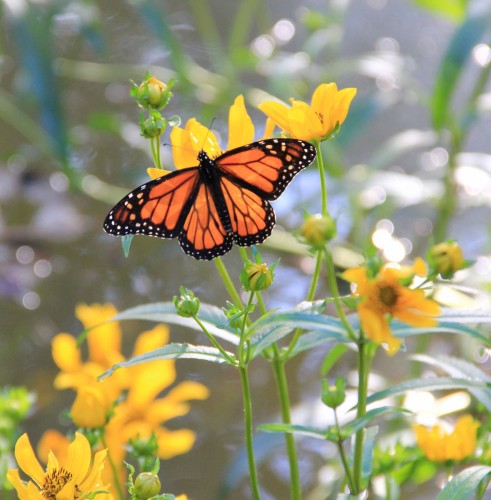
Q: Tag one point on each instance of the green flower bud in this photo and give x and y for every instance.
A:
(333, 395)
(153, 93)
(446, 259)
(153, 126)
(256, 277)
(147, 485)
(318, 229)
(234, 315)
(186, 304)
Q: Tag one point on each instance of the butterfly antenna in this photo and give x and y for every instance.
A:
(208, 133)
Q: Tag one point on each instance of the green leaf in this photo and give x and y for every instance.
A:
(466, 483)
(430, 384)
(165, 312)
(172, 351)
(335, 354)
(463, 369)
(362, 422)
(458, 52)
(303, 430)
(451, 9)
(126, 243)
(368, 446)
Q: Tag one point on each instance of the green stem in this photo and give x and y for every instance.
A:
(338, 303)
(246, 395)
(342, 454)
(213, 340)
(244, 342)
(114, 470)
(282, 388)
(227, 281)
(363, 368)
(322, 175)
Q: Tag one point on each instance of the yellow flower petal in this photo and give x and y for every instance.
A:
(151, 340)
(304, 122)
(172, 443)
(202, 138)
(323, 97)
(156, 173)
(240, 126)
(269, 129)
(339, 109)
(90, 407)
(182, 150)
(78, 458)
(93, 480)
(27, 460)
(277, 112)
(65, 352)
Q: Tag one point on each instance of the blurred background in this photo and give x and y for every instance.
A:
(70, 147)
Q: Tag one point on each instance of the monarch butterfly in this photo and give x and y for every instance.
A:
(219, 201)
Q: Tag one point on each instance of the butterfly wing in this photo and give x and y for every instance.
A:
(266, 167)
(157, 208)
(203, 234)
(253, 174)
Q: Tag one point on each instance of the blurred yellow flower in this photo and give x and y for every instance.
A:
(76, 477)
(446, 258)
(55, 442)
(142, 413)
(439, 445)
(317, 122)
(91, 406)
(385, 296)
(189, 141)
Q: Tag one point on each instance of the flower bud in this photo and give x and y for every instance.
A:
(186, 304)
(90, 407)
(153, 93)
(256, 277)
(234, 315)
(153, 126)
(333, 395)
(318, 229)
(147, 485)
(446, 258)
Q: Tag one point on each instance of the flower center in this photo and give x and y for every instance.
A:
(54, 482)
(387, 295)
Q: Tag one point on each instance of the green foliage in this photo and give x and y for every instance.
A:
(452, 9)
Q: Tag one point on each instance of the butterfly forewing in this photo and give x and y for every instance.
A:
(157, 208)
(267, 167)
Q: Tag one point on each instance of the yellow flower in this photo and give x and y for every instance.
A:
(189, 141)
(76, 477)
(316, 122)
(439, 445)
(385, 296)
(91, 406)
(142, 413)
(447, 258)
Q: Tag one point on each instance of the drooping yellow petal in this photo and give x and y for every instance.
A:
(278, 113)
(90, 407)
(65, 352)
(240, 126)
(27, 460)
(269, 129)
(24, 491)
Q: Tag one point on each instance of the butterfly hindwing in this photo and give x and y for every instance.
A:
(266, 167)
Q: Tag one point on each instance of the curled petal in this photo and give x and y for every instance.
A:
(79, 457)
(156, 173)
(27, 460)
(305, 123)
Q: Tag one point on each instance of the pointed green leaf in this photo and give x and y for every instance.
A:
(172, 351)
(466, 483)
(165, 312)
(362, 422)
(126, 243)
(335, 354)
(303, 430)
(430, 384)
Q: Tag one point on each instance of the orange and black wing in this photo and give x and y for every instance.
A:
(266, 167)
(253, 174)
(157, 208)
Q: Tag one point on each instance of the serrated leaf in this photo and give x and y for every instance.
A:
(165, 312)
(458, 53)
(172, 351)
(430, 384)
(465, 484)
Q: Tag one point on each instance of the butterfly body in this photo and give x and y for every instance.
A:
(218, 202)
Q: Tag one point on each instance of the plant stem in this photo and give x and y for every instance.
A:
(322, 175)
(363, 367)
(246, 395)
(342, 454)
(114, 470)
(212, 339)
(282, 388)
(227, 281)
